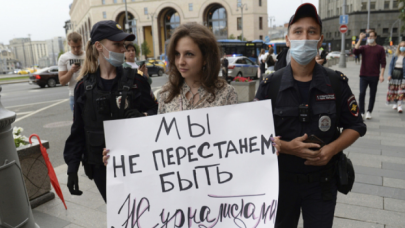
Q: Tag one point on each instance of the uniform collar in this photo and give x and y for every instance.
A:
(320, 79)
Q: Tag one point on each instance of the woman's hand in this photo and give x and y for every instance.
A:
(276, 143)
(389, 78)
(105, 156)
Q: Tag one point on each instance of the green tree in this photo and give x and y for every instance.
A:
(60, 53)
(137, 50)
(231, 37)
(145, 49)
(244, 38)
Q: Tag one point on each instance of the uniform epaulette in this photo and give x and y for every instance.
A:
(265, 79)
(343, 77)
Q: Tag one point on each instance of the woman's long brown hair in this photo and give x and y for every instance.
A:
(208, 45)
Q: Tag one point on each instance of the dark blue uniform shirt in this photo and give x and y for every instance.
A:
(322, 111)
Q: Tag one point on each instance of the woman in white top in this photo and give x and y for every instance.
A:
(396, 78)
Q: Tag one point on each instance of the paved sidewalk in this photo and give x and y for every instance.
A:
(377, 199)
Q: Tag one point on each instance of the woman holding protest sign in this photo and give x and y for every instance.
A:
(105, 91)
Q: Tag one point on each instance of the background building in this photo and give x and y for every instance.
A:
(383, 19)
(223, 17)
(7, 59)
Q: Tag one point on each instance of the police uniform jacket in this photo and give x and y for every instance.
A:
(322, 112)
(142, 99)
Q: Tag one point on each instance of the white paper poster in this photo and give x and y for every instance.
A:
(213, 167)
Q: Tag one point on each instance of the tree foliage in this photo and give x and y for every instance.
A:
(145, 49)
(401, 8)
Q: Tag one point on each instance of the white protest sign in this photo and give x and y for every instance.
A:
(212, 167)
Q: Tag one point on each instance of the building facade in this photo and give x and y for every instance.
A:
(28, 52)
(154, 21)
(7, 59)
(383, 19)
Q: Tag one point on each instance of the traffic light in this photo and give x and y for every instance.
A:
(353, 42)
(390, 43)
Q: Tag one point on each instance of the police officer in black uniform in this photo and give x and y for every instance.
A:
(310, 100)
(105, 91)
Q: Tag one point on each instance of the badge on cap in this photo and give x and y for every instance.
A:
(324, 123)
(118, 100)
(119, 27)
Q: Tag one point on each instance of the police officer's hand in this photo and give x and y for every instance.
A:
(105, 156)
(73, 184)
(299, 148)
(325, 155)
(319, 60)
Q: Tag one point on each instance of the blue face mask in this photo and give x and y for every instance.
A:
(402, 49)
(116, 59)
(304, 51)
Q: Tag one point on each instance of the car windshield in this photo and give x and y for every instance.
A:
(231, 59)
(43, 70)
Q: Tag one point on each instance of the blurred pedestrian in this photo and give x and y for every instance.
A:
(225, 64)
(373, 56)
(69, 64)
(105, 91)
(270, 59)
(130, 55)
(396, 79)
(262, 63)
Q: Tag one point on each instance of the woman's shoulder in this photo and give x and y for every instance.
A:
(226, 88)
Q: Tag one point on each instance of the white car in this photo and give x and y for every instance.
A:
(242, 66)
(335, 54)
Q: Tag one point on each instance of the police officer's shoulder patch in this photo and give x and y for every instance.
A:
(343, 77)
(353, 106)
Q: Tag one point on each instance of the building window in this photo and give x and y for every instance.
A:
(386, 4)
(260, 37)
(385, 30)
(145, 10)
(103, 2)
(349, 32)
(260, 2)
(351, 7)
(364, 6)
(172, 21)
(190, 6)
(372, 5)
(337, 11)
(328, 13)
(260, 23)
(239, 23)
(239, 3)
(395, 4)
(115, 1)
(217, 21)
(104, 15)
(395, 30)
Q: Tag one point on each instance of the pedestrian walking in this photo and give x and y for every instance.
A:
(69, 64)
(270, 60)
(130, 61)
(373, 56)
(262, 63)
(396, 79)
(225, 64)
(105, 91)
(310, 104)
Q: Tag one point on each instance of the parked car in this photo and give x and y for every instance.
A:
(16, 71)
(157, 62)
(24, 71)
(46, 76)
(242, 66)
(153, 68)
(334, 54)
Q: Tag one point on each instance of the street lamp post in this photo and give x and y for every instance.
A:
(152, 15)
(368, 16)
(126, 17)
(241, 7)
(342, 59)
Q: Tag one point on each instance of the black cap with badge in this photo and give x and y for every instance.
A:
(110, 30)
(305, 10)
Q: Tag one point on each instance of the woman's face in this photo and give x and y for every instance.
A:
(188, 58)
(130, 54)
(114, 46)
(402, 44)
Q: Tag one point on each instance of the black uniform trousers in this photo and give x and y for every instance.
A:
(294, 197)
(100, 178)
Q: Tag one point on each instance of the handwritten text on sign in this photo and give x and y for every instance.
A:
(212, 167)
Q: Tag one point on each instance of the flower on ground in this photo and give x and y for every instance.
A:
(19, 139)
(241, 79)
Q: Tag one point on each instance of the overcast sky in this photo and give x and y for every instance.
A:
(44, 19)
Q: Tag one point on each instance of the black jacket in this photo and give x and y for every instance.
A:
(75, 146)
